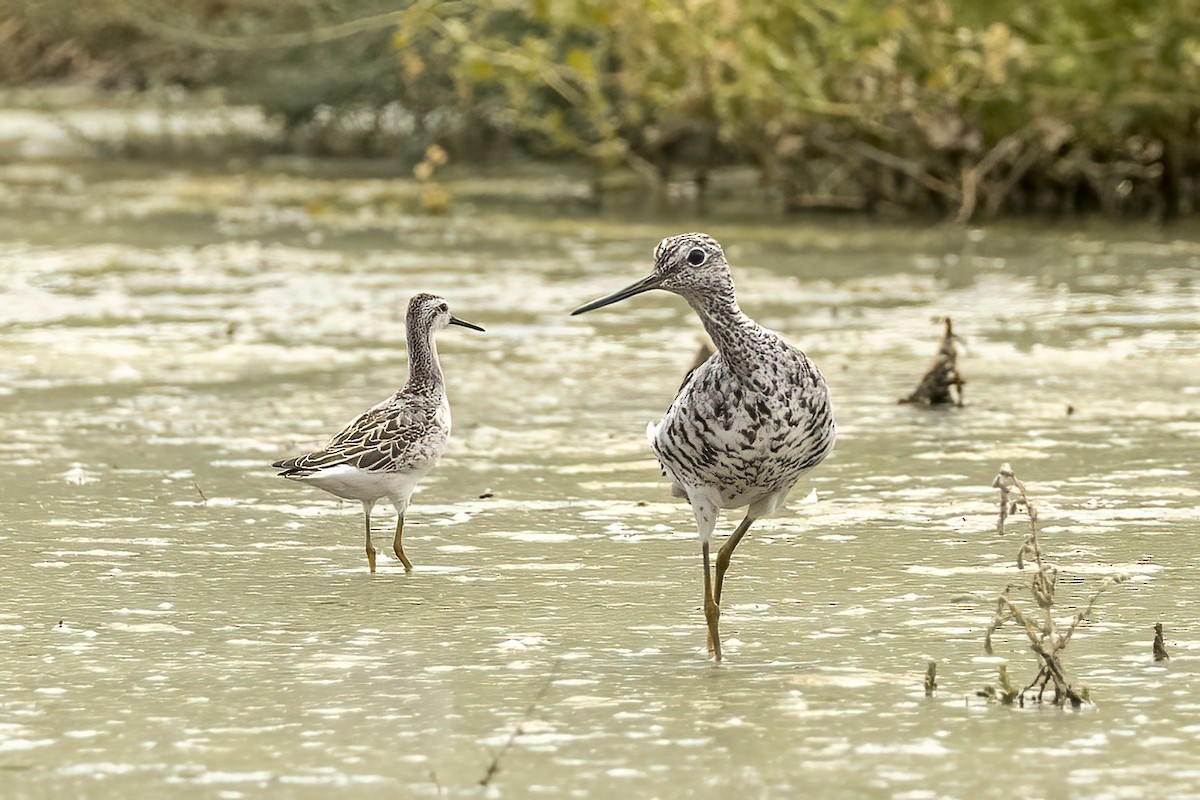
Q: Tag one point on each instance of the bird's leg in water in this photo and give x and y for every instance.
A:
(725, 552)
(712, 612)
(398, 546)
(370, 547)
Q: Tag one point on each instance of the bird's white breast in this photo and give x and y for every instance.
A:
(746, 437)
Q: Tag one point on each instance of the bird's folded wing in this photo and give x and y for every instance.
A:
(376, 441)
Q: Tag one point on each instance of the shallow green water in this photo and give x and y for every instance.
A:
(176, 619)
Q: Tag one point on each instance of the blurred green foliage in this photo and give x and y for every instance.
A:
(956, 107)
(966, 108)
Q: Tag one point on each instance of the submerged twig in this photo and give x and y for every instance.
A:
(942, 383)
(494, 767)
(1046, 639)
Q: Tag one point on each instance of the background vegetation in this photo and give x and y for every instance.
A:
(948, 107)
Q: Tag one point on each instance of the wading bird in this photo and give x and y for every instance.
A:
(387, 449)
(747, 423)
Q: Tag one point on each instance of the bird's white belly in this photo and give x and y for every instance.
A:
(353, 483)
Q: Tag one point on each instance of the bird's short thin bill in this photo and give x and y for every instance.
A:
(462, 322)
(644, 285)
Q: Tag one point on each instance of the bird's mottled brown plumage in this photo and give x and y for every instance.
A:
(387, 449)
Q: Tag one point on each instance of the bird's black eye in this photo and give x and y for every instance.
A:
(696, 257)
(443, 308)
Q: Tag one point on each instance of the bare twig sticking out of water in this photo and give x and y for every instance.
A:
(942, 383)
(1160, 647)
(930, 678)
(203, 498)
(494, 767)
(1046, 638)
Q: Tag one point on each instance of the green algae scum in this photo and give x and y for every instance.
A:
(176, 621)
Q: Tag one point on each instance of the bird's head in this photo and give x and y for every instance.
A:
(432, 313)
(689, 265)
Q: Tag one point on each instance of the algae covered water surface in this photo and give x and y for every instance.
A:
(177, 620)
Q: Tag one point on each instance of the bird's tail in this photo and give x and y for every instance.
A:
(292, 467)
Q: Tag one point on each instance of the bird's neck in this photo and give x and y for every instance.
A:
(424, 369)
(729, 328)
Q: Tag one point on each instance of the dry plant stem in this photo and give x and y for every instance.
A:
(1044, 642)
(1087, 611)
(942, 384)
(1009, 485)
(1045, 638)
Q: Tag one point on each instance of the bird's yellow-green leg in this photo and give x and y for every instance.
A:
(370, 547)
(723, 556)
(398, 545)
(706, 506)
(712, 612)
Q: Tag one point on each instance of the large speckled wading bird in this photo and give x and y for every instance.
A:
(747, 423)
(387, 449)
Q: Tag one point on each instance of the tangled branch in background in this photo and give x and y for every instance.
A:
(1047, 638)
(943, 383)
(958, 110)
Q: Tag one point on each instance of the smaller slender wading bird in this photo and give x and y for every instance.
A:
(387, 449)
(747, 423)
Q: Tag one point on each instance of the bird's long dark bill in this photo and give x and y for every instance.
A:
(456, 321)
(644, 285)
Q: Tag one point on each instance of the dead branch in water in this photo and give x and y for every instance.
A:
(942, 384)
(1046, 636)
